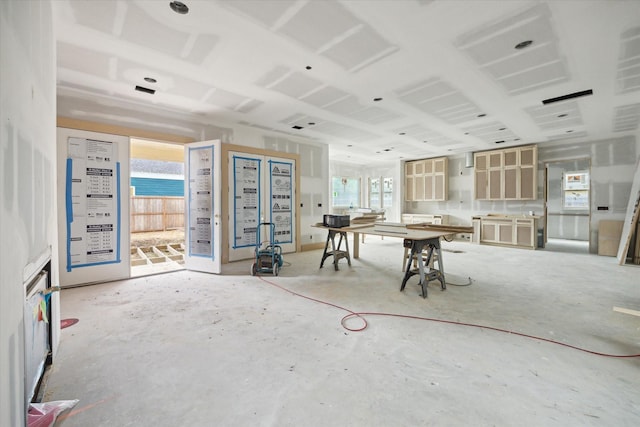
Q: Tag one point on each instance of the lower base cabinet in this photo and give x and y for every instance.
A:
(509, 231)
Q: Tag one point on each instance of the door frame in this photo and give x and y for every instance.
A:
(546, 194)
(226, 188)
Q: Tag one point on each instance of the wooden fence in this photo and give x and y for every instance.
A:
(155, 213)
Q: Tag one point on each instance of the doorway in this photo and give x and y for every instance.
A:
(567, 205)
(156, 198)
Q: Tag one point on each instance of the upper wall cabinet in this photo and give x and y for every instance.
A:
(426, 180)
(509, 174)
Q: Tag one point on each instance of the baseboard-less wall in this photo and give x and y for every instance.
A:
(27, 182)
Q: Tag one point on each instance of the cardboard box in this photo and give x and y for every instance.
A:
(609, 234)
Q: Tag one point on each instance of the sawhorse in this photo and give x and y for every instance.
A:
(426, 273)
(336, 252)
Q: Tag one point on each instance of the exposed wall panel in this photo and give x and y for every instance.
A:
(27, 181)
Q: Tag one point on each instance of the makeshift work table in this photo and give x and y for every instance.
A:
(418, 239)
(336, 252)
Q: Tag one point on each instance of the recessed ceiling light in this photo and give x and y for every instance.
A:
(297, 127)
(562, 115)
(350, 145)
(499, 142)
(387, 149)
(523, 44)
(402, 133)
(150, 80)
(516, 139)
(502, 129)
(481, 115)
(569, 131)
(179, 7)
(424, 141)
(311, 123)
(308, 67)
(377, 99)
(466, 133)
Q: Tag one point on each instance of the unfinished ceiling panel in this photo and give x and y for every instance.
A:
(98, 15)
(422, 135)
(628, 77)
(520, 52)
(438, 98)
(626, 118)
(493, 133)
(156, 35)
(268, 12)
(319, 24)
(569, 134)
(331, 30)
(201, 48)
(562, 115)
(347, 106)
(249, 105)
(83, 60)
(296, 85)
(226, 99)
(374, 115)
(325, 96)
(360, 49)
(342, 131)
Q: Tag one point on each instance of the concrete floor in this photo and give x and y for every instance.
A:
(191, 349)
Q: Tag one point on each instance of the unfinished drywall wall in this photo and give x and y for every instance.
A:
(563, 222)
(314, 175)
(27, 179)
(612, 167)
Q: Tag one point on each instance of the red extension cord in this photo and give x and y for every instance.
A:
(361, 316)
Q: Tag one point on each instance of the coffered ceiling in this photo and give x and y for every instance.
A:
(377, 80)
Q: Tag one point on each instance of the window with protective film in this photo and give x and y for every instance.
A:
(575, 190)
(345, 192)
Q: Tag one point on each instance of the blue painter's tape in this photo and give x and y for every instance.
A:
(119, 213)
(235, 194)
(291, 201)
(188, 196)
(69, 208)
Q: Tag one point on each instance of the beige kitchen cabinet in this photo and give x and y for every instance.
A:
(509, 174)
(426, 180)
(408, 181)
(425, 218)
(508, 230)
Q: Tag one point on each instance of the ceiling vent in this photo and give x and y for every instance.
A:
(568, 96)
(145, 90)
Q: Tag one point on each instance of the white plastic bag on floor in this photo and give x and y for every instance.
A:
(45, 414)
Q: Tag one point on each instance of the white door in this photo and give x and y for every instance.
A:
(202, 186)
(281, 203)
(93, 207)
(261, 190)
(246, 202)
